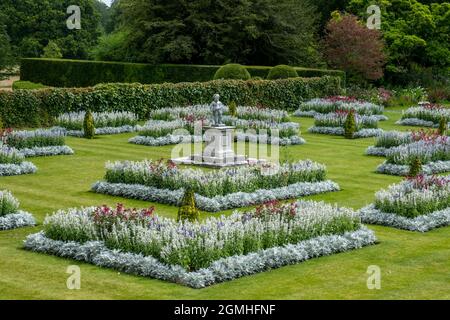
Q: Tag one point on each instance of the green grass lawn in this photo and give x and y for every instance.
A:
(413, 265)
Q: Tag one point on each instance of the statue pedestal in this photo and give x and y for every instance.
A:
(218, 152)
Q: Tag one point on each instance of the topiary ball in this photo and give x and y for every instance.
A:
(232, 71)
(282, 71)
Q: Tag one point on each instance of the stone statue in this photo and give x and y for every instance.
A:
(217, 108)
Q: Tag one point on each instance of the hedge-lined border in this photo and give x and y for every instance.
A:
(222, 270)
(403, 170)
(82, 73)
(38, 108)
(9, 169)
(422, 223)
(217, 203)
(17, 220)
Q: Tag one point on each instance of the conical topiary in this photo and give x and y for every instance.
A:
(88, 125)
(232, 108)
(188, 209)
(443, 126)
(350, 125)
(415, 167)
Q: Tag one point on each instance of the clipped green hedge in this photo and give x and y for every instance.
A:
(80, 73)
(38, 107)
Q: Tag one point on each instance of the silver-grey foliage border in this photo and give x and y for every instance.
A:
(417, 122)
(377, 151)
(422, 223)
(217, 203)
(9, 169)
(46, 151)
(403, 170)
(221, 270)
(103, 131)
(339, 131)
(17, 220)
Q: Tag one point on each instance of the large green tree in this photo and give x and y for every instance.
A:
(32, 24)
(416, 34)
(220, 31)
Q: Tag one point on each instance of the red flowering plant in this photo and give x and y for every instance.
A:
(105, 217)
(191, 120)
(384, 95)
(429, 136)
(275, 207)
(432, 106)
(423, 182)
(335, 99)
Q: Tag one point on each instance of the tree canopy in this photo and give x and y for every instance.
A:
(32, 24)
(416, 34)
(216, 32)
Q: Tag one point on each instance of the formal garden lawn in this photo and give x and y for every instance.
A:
(413, 265)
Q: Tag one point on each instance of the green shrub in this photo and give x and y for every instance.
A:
(415, 167)
(22, 108)
(82, 73)
(232, 108)
(232, 71)
(350, 125)
(188, 209)
(88, 125)
(443, 126)
(282, 72)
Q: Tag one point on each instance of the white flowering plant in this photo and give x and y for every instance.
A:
(430, 150)
(10, 215)
(9, 155)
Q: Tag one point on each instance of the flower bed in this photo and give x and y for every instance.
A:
(433, 153)
(333, 104)
(10, 215)
(170, 125)
(201, 254)
(417, 204)
(105, 123)
(388, 140)
(37, 143)
(12, 163)
(425, 115)
(391, 139)
(333, 124)
(204, 112)
(215, 190)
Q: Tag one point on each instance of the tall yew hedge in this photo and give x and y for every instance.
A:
(38, 107)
